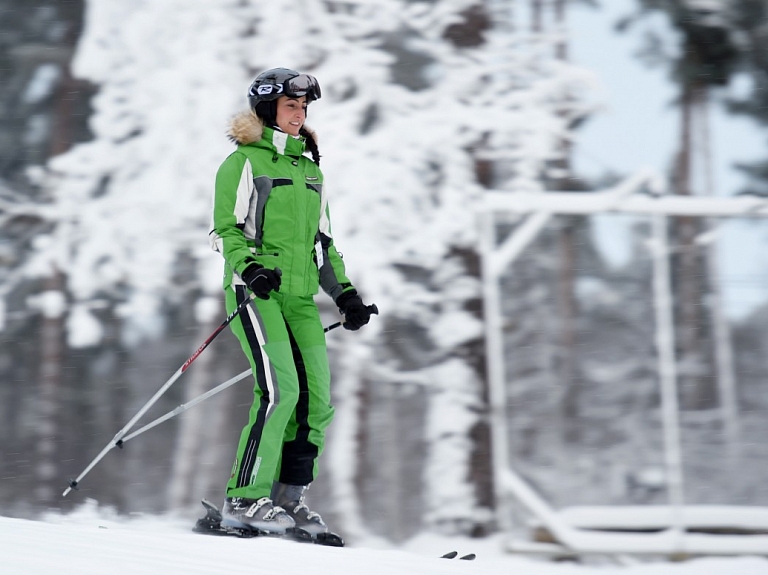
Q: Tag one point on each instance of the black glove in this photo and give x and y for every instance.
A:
(356, 313)
(261, 280)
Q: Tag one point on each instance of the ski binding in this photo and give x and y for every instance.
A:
(211, 525)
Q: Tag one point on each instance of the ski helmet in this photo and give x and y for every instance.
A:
(272, 84)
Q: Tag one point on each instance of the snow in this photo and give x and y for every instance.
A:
(42, 83)
(83, 329)
(94, 541)
(207, 309)
(51, 303)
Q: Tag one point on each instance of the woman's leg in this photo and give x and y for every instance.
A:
(262, 333)
(304, 437)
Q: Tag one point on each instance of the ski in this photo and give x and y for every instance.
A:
(211, 525)
(454, 554)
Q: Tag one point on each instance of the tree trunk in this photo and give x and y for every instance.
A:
(566, 300)
(344, 458)
(52, 346)
(721, 337)
(697, 390)
(190, 450)
(51, 357)
(536, 16)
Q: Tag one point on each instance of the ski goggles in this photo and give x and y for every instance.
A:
(302, 85)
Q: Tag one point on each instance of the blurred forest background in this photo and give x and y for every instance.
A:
(112, 122)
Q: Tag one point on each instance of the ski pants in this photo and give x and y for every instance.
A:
(284, 341)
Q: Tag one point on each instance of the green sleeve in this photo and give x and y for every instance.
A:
(230, 209)
(333, 277)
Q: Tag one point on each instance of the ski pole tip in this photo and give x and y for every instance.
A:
(72, 485)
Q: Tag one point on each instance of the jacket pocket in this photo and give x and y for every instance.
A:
(270, 260)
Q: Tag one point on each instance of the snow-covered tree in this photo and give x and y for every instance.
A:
(43, 108)
(476, 98)
(128, 211)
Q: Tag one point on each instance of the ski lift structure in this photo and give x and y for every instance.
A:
(673, 530)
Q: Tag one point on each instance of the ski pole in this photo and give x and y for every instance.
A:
(121, 437)
(73, 483)
(185, 406)
(372, 308)
(199, 399)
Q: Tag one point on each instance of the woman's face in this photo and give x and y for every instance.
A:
(291, 113)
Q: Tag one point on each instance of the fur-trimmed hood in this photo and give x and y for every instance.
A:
(247, 128)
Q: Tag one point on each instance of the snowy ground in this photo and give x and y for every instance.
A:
(91, 543)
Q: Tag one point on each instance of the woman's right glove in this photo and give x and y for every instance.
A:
(356, 313)
(261, 280)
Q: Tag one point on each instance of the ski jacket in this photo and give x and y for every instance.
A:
(270, 208)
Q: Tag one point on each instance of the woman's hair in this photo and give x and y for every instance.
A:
(311, 144)
(267, 111)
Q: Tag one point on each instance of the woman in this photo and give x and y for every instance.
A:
(271, 224)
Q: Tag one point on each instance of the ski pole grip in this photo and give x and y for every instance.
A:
(373, 309)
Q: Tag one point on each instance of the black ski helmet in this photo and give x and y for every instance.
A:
(272, 84)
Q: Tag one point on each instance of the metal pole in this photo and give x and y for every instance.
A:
(185, 406)
(494, 357)
(668, 374)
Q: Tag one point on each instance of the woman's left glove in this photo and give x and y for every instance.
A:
(356, 313)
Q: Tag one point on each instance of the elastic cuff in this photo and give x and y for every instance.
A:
(345, 297)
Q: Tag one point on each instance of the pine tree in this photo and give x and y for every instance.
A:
(748, 19)
(43, 106)
(707, 58)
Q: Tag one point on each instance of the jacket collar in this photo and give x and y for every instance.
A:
(247, 129)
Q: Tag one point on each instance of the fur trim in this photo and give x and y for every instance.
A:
(247, 128)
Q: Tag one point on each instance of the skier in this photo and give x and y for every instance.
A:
(271, 223)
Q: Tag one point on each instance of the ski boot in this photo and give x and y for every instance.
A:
(256, 514)
(291, 498)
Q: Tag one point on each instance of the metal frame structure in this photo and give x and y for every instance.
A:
(639, 195)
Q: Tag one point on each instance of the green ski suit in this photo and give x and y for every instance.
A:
(270, 208)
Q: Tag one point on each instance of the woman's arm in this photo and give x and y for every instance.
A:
(333, 277)
(232, 197)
